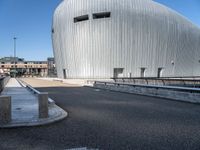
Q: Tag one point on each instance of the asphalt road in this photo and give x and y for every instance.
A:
(111, 121)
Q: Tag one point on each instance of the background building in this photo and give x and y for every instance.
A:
(51, 67)
(129, 38)
(10, 65)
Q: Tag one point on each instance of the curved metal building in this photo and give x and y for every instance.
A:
(123, 38)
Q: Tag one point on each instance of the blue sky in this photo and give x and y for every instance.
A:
(30, 21)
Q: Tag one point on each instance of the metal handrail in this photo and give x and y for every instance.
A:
(161, 81)
(162, 78)
(24, 84)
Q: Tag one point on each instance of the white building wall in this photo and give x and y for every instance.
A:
(139, 33)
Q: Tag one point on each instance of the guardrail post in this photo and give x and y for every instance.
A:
(5, 109)
(43, 105)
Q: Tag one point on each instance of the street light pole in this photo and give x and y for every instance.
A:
(15, 56)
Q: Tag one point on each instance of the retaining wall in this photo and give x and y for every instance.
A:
(3, 82)
(175, 93)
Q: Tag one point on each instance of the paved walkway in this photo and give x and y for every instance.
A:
(25, 107)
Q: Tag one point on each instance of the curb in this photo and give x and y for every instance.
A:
(59, 115)
(55, 114)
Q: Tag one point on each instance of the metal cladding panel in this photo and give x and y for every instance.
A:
(138, 34)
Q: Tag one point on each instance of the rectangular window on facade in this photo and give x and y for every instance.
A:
(64, 74)
(101, 15)
(159, 73)
(142, 73)
(118, 72)
(81, 18)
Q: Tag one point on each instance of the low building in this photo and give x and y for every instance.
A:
(11, 65)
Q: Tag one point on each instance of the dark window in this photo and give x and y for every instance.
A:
(142, 72)
(101, 15)
(81, 18)
(52, 30)
(64, 74)
(118, 72)
(159, 73)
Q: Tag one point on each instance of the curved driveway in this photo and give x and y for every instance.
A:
(109, 121)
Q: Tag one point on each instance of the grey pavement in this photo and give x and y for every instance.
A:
(108, 120)
(24, 107)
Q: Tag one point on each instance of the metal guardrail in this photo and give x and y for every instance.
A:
(164, 81)
(174, 88)
(24, 84)
(3, 82)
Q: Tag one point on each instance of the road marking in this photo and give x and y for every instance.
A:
(82, 148)
(97, 90)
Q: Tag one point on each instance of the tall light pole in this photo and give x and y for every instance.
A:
(15, 70)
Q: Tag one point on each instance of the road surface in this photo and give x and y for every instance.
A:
(109, 121)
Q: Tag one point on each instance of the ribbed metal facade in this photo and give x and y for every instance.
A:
(138, 34)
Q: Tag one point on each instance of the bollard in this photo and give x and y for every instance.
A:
(5, 109)
(43, 105)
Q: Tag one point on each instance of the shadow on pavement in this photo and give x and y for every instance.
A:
(110, 120)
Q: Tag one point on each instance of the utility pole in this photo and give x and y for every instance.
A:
(15, 70)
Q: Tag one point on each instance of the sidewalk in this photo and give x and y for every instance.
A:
(25, 107)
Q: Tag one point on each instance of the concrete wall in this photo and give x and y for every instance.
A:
(175, 93)
(3, 82)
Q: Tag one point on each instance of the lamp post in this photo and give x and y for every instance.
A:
(15, 39)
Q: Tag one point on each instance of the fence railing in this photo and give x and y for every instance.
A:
(24, 84)
(167, 81)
